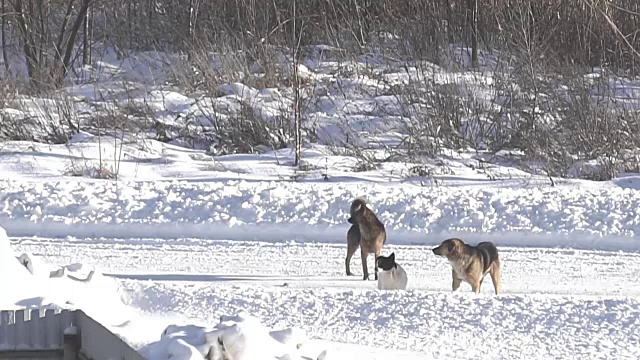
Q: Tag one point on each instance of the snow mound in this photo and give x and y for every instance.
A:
(39, 268)
(238, 337)
(587, 218)
(14, 276)
(37, 284)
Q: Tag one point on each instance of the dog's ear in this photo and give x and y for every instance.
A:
(350, 220)
(450, 246)
(358, 208)
(393, 257)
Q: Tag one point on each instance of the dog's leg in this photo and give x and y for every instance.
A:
(475, 285)
(455, 283)
(351, 249)
(365, 271)
(481, 280)
(378, 251)
(495, 276)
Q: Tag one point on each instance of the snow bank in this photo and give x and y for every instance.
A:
(19, 287)
(605, 217)
(29, 282)
(239, 337)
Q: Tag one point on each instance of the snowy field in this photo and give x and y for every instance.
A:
(557, 303)
(179, 236)
(188, 252)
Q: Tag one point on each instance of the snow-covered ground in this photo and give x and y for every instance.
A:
(188, 251)
(557, 303)
(180, 237)
(30, 281)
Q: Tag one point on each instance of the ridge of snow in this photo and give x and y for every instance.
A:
(600, 218)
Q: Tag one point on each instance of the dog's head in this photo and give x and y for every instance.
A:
(449, 248)
(386, 263)
(358, 211)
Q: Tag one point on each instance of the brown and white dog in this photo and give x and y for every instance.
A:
(471, 263)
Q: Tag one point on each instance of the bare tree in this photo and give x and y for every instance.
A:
(48, 59)
(86, 38)
(473, 9)
(5, 55)
(298, 26)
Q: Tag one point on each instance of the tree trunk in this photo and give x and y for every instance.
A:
(473, 9)
(450, 22)
(5, 56)
(192, 19)
(130, 17)
(28, 42)
(86, 43)
(71, 40)
(189, 46)
(297, 111)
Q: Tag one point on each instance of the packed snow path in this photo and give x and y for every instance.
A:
(524, 270)
(556, 303)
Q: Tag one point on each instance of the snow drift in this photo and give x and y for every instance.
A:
(29, 282)
(587, 217)
(238, 337)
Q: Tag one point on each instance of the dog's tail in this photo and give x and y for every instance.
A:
(489, 254)
(495, 274)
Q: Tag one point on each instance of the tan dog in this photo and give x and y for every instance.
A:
(471, 263)
(372, 235)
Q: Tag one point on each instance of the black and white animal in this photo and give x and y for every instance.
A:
(392, 276)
